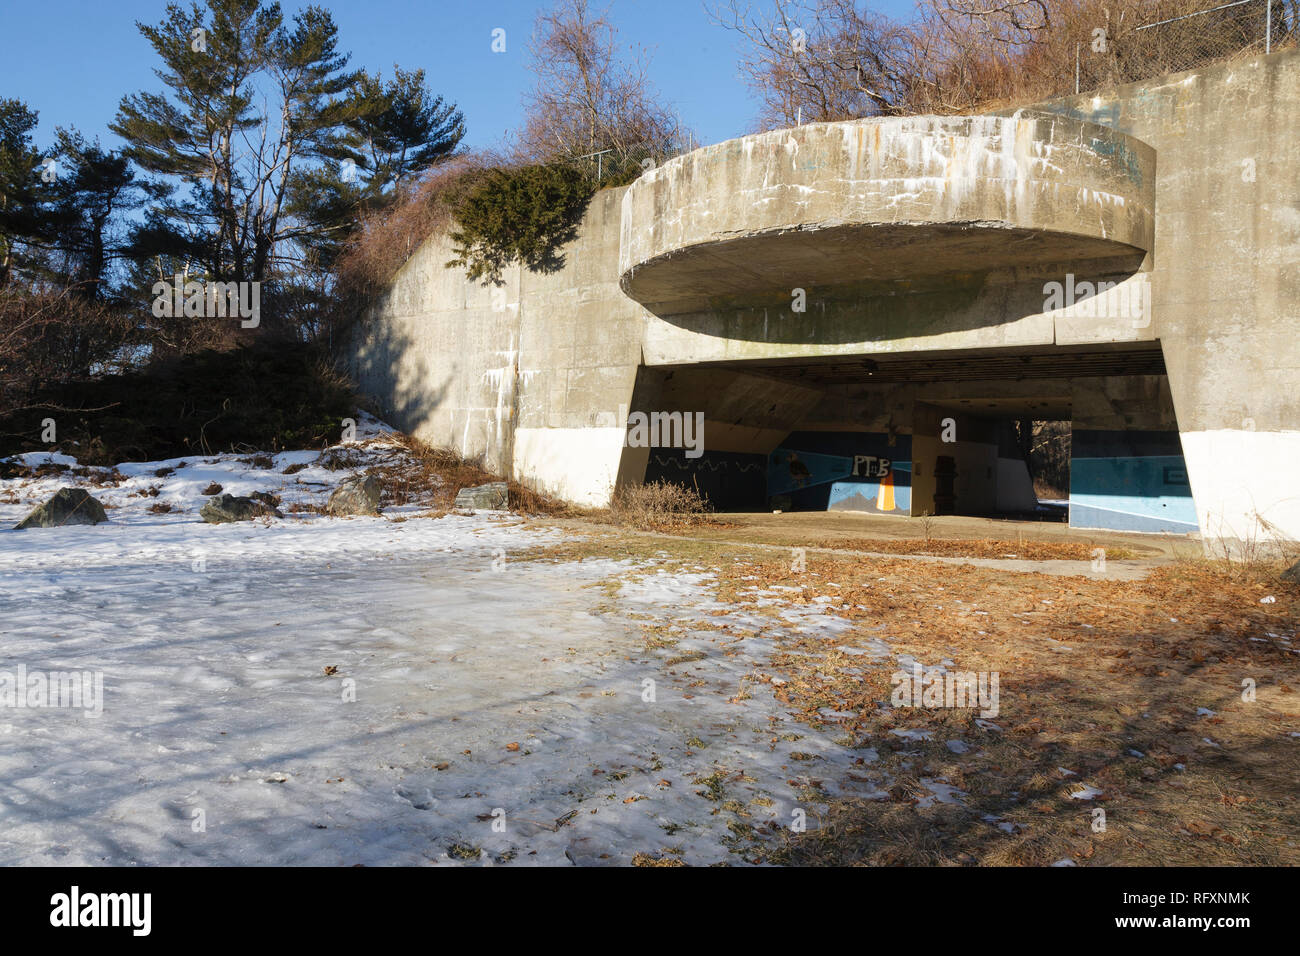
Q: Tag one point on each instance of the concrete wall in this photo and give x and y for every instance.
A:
(827, 204)
(1127, 469)
(1225, 275)
(528, 376)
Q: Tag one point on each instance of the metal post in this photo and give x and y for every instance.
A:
(1268, 27)
(1076, 69)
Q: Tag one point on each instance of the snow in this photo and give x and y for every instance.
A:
(391, 690)
(377, 690)
(912, 734)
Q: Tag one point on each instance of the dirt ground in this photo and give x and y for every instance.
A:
(802, 528)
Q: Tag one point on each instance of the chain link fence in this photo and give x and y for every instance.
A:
(1175, 38)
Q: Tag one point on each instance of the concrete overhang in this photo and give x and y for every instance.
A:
(882, 200)
(961, 365)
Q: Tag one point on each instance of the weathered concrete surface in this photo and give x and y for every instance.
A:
(881, 199)
(534, 377)
(526, 377)
(1225, 277)
(904, 235)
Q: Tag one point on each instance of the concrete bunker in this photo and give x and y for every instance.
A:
(842, 289)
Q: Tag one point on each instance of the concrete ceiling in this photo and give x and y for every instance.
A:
(713, 275)
(1051, 408)
(1143, 358)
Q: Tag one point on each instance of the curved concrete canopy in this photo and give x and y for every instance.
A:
(876, 200)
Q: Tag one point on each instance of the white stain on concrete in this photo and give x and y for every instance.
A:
(1239, 477)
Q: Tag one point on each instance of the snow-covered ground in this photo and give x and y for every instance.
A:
(318, 690)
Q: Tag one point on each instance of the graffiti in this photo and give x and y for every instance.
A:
(869, 466)
(854, 481)
(707, 465)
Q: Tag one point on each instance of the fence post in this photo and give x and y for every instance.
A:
(1076, 69)
(1268, 27)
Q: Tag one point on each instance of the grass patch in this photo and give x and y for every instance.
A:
(429, 476)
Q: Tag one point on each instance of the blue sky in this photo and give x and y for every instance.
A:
(72, 60)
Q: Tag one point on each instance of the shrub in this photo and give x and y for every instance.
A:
(54, 337)
(523, 214)
(658, 506)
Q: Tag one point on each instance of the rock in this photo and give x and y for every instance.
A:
(491, 497)
(223, 508)
(358, 495)
(67, 506)
(268, 499)
(1292, 573)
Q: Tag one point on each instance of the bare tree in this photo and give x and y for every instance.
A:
(821, 60)
(1005, 22)
(587, 98)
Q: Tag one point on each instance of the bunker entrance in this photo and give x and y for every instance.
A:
(992, 457)
(1085, 436)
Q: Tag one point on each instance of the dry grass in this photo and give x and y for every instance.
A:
(1102, 678)
(645, 859)
(388, 236)
(1045, 491)
(422, 474)
(980, 548)
(659, 506)
(94, 475)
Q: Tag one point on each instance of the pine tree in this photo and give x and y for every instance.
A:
(231, 163)
(23, 211)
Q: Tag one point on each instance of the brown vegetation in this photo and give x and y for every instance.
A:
(980, 548)
(820, 60)
(1136, 688)
(659, 506)
(422, 474)
(586, 97)
(55, 336)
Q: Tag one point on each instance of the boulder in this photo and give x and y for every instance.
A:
(490, 497)
(66, 506)
(223, 508)
(1292, 573)
(358, 495)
